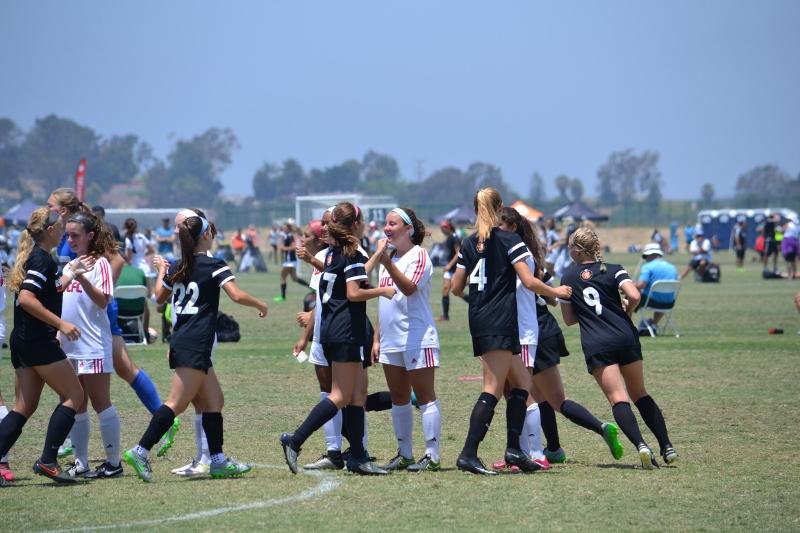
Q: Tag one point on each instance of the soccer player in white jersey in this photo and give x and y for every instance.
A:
(406, 339)
(84, 304)
(5, 470)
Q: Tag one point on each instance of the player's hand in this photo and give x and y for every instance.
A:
(388, 292)
(160, 264)
(262, 309)
(302, 318)
(563, 292)
(302, 253)
(299, 346)
(82, 265)
(375, 353)
(69, 330)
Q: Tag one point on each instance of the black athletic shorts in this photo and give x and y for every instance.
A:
(771, 247)
(619, 357)
(186, 358)
(740, 253)
(489, 343)
(549, 352)
(25, 354)
(342, 352)
(694, 263)
(790, 257)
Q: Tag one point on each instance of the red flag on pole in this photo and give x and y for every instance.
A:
(80, 179)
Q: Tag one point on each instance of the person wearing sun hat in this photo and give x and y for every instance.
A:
(656, 268)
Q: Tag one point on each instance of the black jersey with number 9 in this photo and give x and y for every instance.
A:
(492, 281)
(195, 303)
(605, 327)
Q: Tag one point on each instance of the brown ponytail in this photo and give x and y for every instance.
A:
(342, 228)
(511, 216)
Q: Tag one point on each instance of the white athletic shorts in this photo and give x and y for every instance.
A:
(447, 275)
(289, 264)
(412, 360)
(317, 356)
(527, 354)
(101, 365)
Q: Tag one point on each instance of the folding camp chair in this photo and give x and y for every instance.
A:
(138, 293)
(664, 288)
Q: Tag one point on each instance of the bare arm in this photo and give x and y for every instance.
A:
(31, 305)
(532, 283)
(458, 282)
(632, 296)
(570, 318)
(161, 291)
(355, 293)
(99, 298)
(243, 298)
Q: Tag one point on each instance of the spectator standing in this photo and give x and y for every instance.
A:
(740, 242)
(688, 234)
(165, 239)
(770, 244)
(790, 247)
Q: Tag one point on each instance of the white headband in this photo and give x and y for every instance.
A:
(406, 219)
(188, 213)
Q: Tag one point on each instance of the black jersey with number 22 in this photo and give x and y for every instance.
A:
(605, 327)
(195, 303)
(492, 281)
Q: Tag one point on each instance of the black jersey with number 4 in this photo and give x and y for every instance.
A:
(41, 278)
(605, 327)
(492, 281)
(342, 320)
(195, 303)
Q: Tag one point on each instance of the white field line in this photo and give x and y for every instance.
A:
(326, 484)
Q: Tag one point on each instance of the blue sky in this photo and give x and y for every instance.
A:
(550, 86)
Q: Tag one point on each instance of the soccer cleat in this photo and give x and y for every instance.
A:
(346, 455)
(520, 459)
(78, 470)
(230, 468)
(611, 436)
(647, 457)
(53, 471)
(289, 453)
(473, 465)
(140, 464)
(557, 456)
(425, 464)
(543, 463)
(329, 461)
(279, 299)
(65, 449)
(365, 468)
(501, 465)
(105, 471)
(669, 454)
(399, 462)
(169, 438)
(193, 469)
(5, 472)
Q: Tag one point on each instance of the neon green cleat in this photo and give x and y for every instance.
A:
(611, 436)
(140, 464)
(426, 464)
(169, 438)
(230, 468)
(398, 462)
(279, 299)
(557, 456)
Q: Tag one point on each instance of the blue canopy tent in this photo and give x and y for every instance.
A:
(20, 213)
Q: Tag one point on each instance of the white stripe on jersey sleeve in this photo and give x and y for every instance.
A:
(459, 265)
(226, 280)
(220, 270)
(354, 265)
(619, 273)
(32, 283)
(621, 283)
(165, 285)
(513, 248)
(521, 257)
(356, 278)
(38, 274)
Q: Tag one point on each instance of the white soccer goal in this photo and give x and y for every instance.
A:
(312, 207)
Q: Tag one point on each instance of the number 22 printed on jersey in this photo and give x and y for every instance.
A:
(186, 298)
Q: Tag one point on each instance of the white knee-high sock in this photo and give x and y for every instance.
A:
(531, 437)
(403, 422)
(332, 429)
(110, 433)
(80, 438)
(431, 428)
(3, 413)
(200, 441)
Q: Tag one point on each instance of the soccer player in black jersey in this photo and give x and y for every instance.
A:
(288, 249)
(610, 341)
(35, 353)
(194, 284)
(453, 246)
(343, 335)
(547, 389)
(490, 261)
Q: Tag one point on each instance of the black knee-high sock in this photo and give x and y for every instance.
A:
(321, 413)
(378, 401)
(479, 422)
(549, 426)
(302, 282)
(355, 431)
(652, 416)
(159, 424)
(515, 416)
(627, 422)
(344, 425)
(10, 430)
(212, 425)
(57, 430)
(578, 414)
(446, 306)
(283, 290)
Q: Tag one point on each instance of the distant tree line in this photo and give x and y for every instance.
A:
(123, 171)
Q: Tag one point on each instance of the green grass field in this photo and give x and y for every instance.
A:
(729, 391)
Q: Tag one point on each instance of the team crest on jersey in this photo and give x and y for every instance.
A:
(586, 274)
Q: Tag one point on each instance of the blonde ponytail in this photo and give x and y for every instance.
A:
(40, 220)
(487, 204)
(587, 241)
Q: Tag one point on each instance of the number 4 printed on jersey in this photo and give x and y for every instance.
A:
(478, 275)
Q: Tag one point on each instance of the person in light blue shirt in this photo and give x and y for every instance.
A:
(165, 237)
(656, 268)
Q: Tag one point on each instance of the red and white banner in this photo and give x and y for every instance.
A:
(80, 179)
